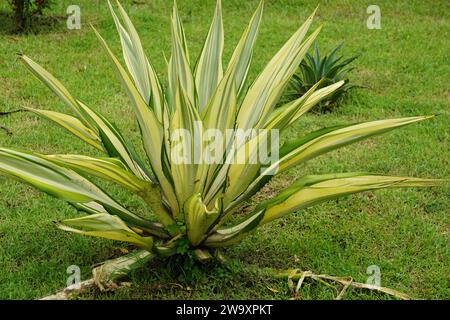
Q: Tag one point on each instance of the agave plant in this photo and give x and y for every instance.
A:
(193, 207)
(330, 68)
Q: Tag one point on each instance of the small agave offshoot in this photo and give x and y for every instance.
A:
(195, 205)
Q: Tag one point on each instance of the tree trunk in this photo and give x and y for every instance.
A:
(19, 7)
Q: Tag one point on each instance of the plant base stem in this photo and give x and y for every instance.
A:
(73, 290)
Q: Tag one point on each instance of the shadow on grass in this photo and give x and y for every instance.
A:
(37, 24)
(179, 277)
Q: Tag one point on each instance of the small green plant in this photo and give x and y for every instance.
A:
(193, 206)
(329, 69)
(24, 10)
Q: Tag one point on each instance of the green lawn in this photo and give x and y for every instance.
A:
(405, 68)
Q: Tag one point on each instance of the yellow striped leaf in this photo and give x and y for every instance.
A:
(198, 218)
(208, 71)
(272, 80)
(71, 124)
(106, 168)
(151, 128)
(179, 66)
(58, 89)
(105, 226)
(302, 195)
(59, 182)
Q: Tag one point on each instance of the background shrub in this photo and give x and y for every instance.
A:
(25, 9)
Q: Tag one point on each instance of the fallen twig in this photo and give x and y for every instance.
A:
(346, 282)
(5, 113)
(7, 130)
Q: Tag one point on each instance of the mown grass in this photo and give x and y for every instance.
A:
(404, 232)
